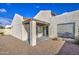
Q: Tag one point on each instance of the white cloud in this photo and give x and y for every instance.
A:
(4, 21)
(3, 10)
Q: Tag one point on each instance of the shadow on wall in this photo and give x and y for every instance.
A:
(27, 28)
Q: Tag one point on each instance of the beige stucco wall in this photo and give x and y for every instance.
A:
(46, 16)
(52, 28)
(18, 29)
(5, 31)
(66, 18)
(33, 33)
(43, 15)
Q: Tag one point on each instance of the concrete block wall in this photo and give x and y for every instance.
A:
(18, 29)
(5, 31)
(43, 15)
(69, 17)
(46, 16)
(33, 33)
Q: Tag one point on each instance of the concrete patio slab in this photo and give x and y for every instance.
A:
(12, 45)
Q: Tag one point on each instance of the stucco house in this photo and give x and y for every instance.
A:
(45, 25)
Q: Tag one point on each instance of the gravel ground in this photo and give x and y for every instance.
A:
(69, 49)
(10, 45)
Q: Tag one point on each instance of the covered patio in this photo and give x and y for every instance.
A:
(42, 31)
(37, 31)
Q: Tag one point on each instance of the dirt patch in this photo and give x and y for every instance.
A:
(69, 49)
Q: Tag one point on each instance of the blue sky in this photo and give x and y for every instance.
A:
(29, 10)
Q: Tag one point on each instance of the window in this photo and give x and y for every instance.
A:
(66, 30)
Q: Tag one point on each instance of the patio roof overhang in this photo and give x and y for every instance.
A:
(27, 20)
(38, 22)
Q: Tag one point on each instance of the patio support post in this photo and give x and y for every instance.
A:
(45, 31)
(33, 33)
